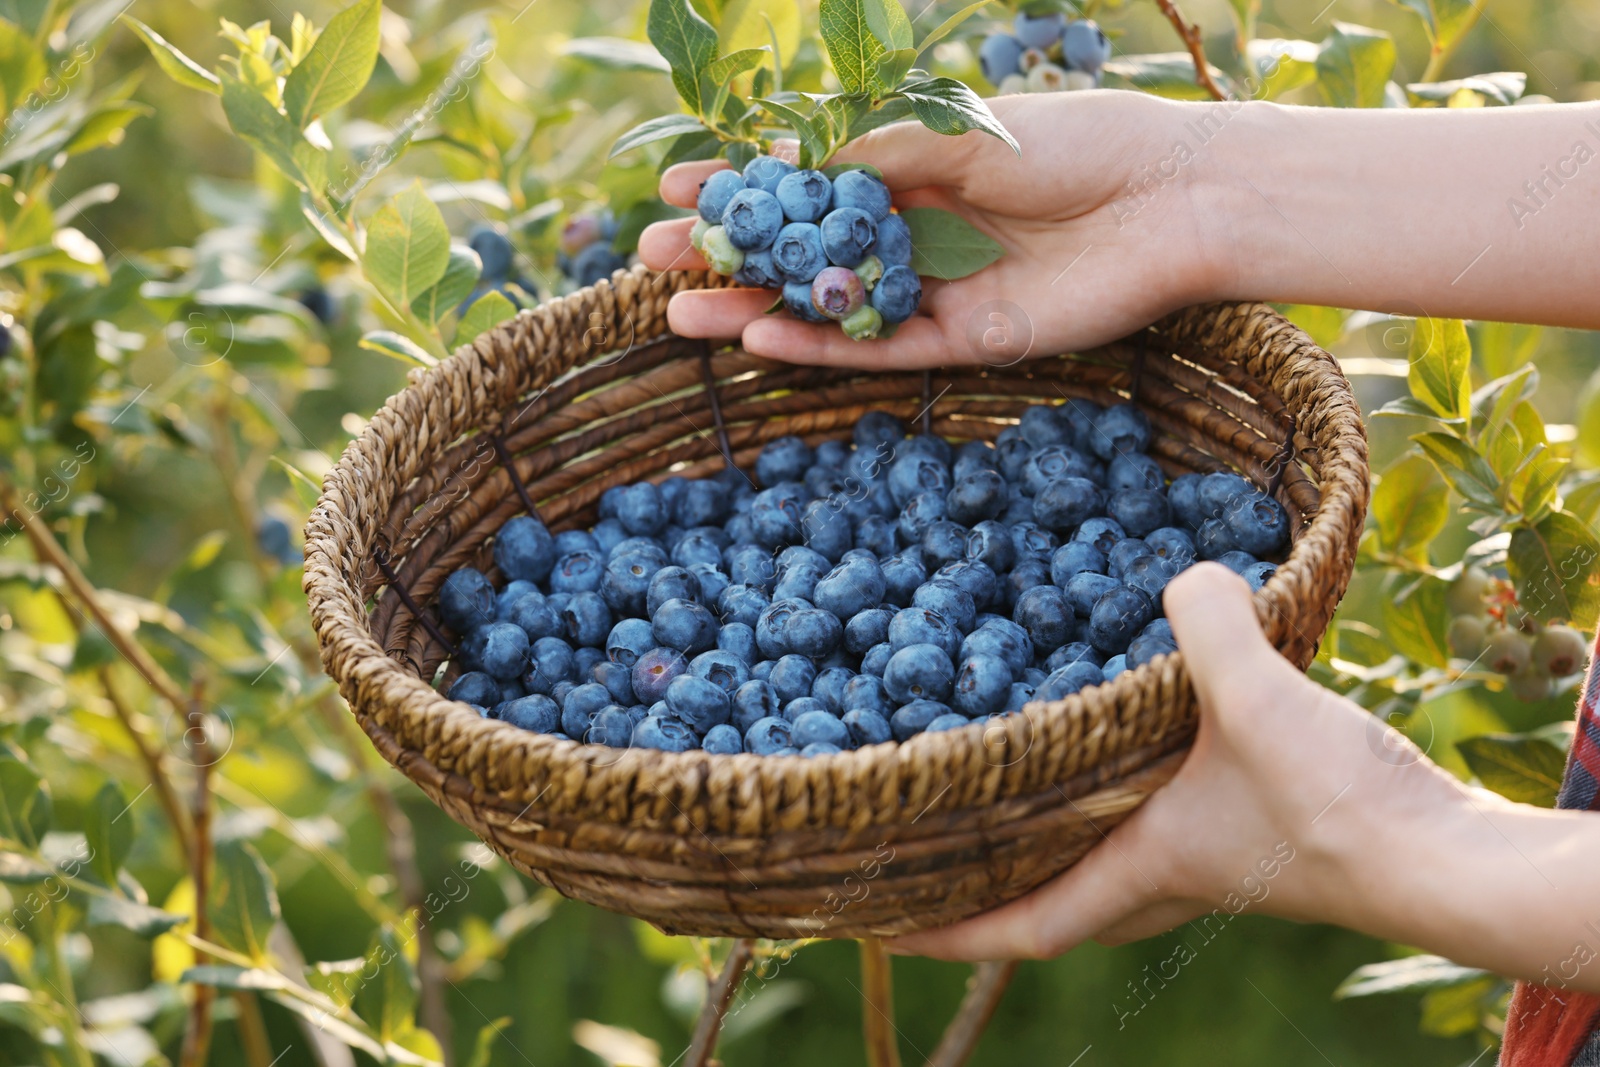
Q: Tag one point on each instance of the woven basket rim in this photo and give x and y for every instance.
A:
(338, 541)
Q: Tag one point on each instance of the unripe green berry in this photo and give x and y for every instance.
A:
(697, 236)
(869, 270)
(1046, 78)
(862, 323)
(1531, 685)
(1559, 651)
(1466, 636)
(720, 254)
(1507, 652)
(1465, 595)
(1012, 84)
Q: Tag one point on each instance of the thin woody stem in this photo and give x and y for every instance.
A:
(718, 999)
(1190, 32)
(984, 990)
(877, 1005)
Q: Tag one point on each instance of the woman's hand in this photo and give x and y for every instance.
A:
(1100, 237)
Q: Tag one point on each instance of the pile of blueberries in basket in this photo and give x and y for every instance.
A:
(854, 593)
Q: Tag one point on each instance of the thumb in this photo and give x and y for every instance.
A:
(1214, 621)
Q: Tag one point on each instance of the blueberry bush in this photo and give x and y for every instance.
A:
(227, 234)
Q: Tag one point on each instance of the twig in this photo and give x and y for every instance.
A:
(197, 1034)
(984, 990)
(154, 761)
(718, 998)
(877, 1005)
(252, 1029)
(1190, 32)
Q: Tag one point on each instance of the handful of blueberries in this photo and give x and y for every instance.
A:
(832, 245)
(1044, 54)
(858, 592)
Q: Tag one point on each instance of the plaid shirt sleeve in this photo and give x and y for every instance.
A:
(1551, 1026)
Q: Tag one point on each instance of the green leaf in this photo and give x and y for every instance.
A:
(256, 119)
(108, 828)
(1411, 407)
(25, 807)
(453, 286)
(338, 65)
(945, 28)
(485, 313)
(229, 976)
(839, 168)
(687, 42)
(397, 346)
(616, 53)
(1553, 567)
(947, 246)
(1354, 66)
(143, 920)
(657, 129)
(1467, 472)
(22, 67)
(483, 1044)
(886, 21)
(947, 106)
(1168, 74)
(1444, 21)
(754, 23)
(852, 46)
(408, 246)
(1414, 620)
(1503, 87)
(243, 903)
(1410, 506)
(724, 70)
(387, 999)
(1493, 402)
(811, 130)
(1440, 363)
(173, 63)
(1459, 1010)
(1524, 769)
(1502, 347)
(17, 869)
(1282, 65)
(1412, 974)
(894, 65)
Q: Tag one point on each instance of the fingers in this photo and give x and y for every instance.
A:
(680, 185)
(665, 246)
(717, 313)
(919, 342)
(1214, 622)
(1151, 921)
(1101, 891)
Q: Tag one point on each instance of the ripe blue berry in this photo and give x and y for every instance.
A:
(1219, 492)
(758, 270)
(797, 301)
(948, 721)
(1214, 539)
(654, 671)
(813, 727)
(752, 701)
(752, 219)
(805, 195)
(1258, 574)
(587, 619)
(897, 294)
(664, 733)
(1117, 617)
(977, 497)
(1067, 680)
(860, 190)
(847, 235)
(1085, 46)
(1258, 523)
(1039, 31)
(917, 626)
(992, 544)
(981, 686)
(475, 687)
(766, 172)
(739, 639)
(1000, 55)
(524, 549)
(716, 191)
(913, 718)
(538, 713)
(700, 703)
(684, 625)
(1065, 503)
(919, 672)
(892, 246)
(466, 600)
(1046, 615)
(723, 740)
(1184, 496)
(767, 736)
(797, 252)
(1122, 428)
(1139, 511)
(505, 651)
(577, 572)
(580, 707)
(866, 726)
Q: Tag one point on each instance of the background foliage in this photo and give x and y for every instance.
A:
(176, 383)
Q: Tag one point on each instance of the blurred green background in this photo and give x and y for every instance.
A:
(208, 416)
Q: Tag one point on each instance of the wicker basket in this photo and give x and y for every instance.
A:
(583, 393)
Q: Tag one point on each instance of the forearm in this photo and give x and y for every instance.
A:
(1510, 888)
(1488, 213)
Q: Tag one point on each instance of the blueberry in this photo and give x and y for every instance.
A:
(847, 234)
(1237, 561)
(920, 510)
(814, 632)
(901, 575)
(866, 726)
(1135, 471)
(752, 566)
(820, 748)
(949, 721)
(1117, 617)
(684, 625)
(867, 628)
(837, 292)
(898, 293)
(917, 626)
(670, 583)
(991, 543)
(1050, 462)
(977, 578)
(944, 542)
(1139, 511)
(587, 619)
(893, 243)
(1067, 680)
(783, 460)
(742, 604)
(1123, 553)
(654, 671)
(1038, 31)
(1184, 497)
(772, 627)
(608, 533)
(1008, 643)
(949, 600)
(577, 572)
(617, 679)
(1066, 502)
(612, 727)
(792, 677)
(829, 687)
(766, 172)
(1033, 540)
(800, 567)
(1120, 429)
(865, 692)
(876, 659)
(723, 669)
(475, 687)
(1214, 539)
(712, 581)
(775, 515)
(813, 727)
(1258, 574)
(919, 672)
(538, 618)
(999, 56)
(550, 662)
(699, 702)
(584, 660)
(495, 253)
(1218, 492)
(861, 190)
(512, 690)
(826, 529)
(913, 718)
(538, 713)
(738, 639)
(1173, 544)
(1085, 46)
(1147, 646)
(466, 600)
(1113, 667)
(1258, 523)
(1074, 558)
(1021, 695)
(641, 510)
(766, 736)
(723, 740)
(1072, 653)
(805, 195)
(1150, 575)
(877, 535)
(981, 686)
(797, 252)
(505, 651)
(978, 497)
(1045, 613)
(701, 545)
(664, 733)
(797, 301)
(752, 701)
(506, 599)
(581, 706)
(752, 219)
(759, 271)
(703, 503)
(716, 191)
(1103, 533)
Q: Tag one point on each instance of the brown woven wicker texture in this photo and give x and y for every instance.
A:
(590, 391)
